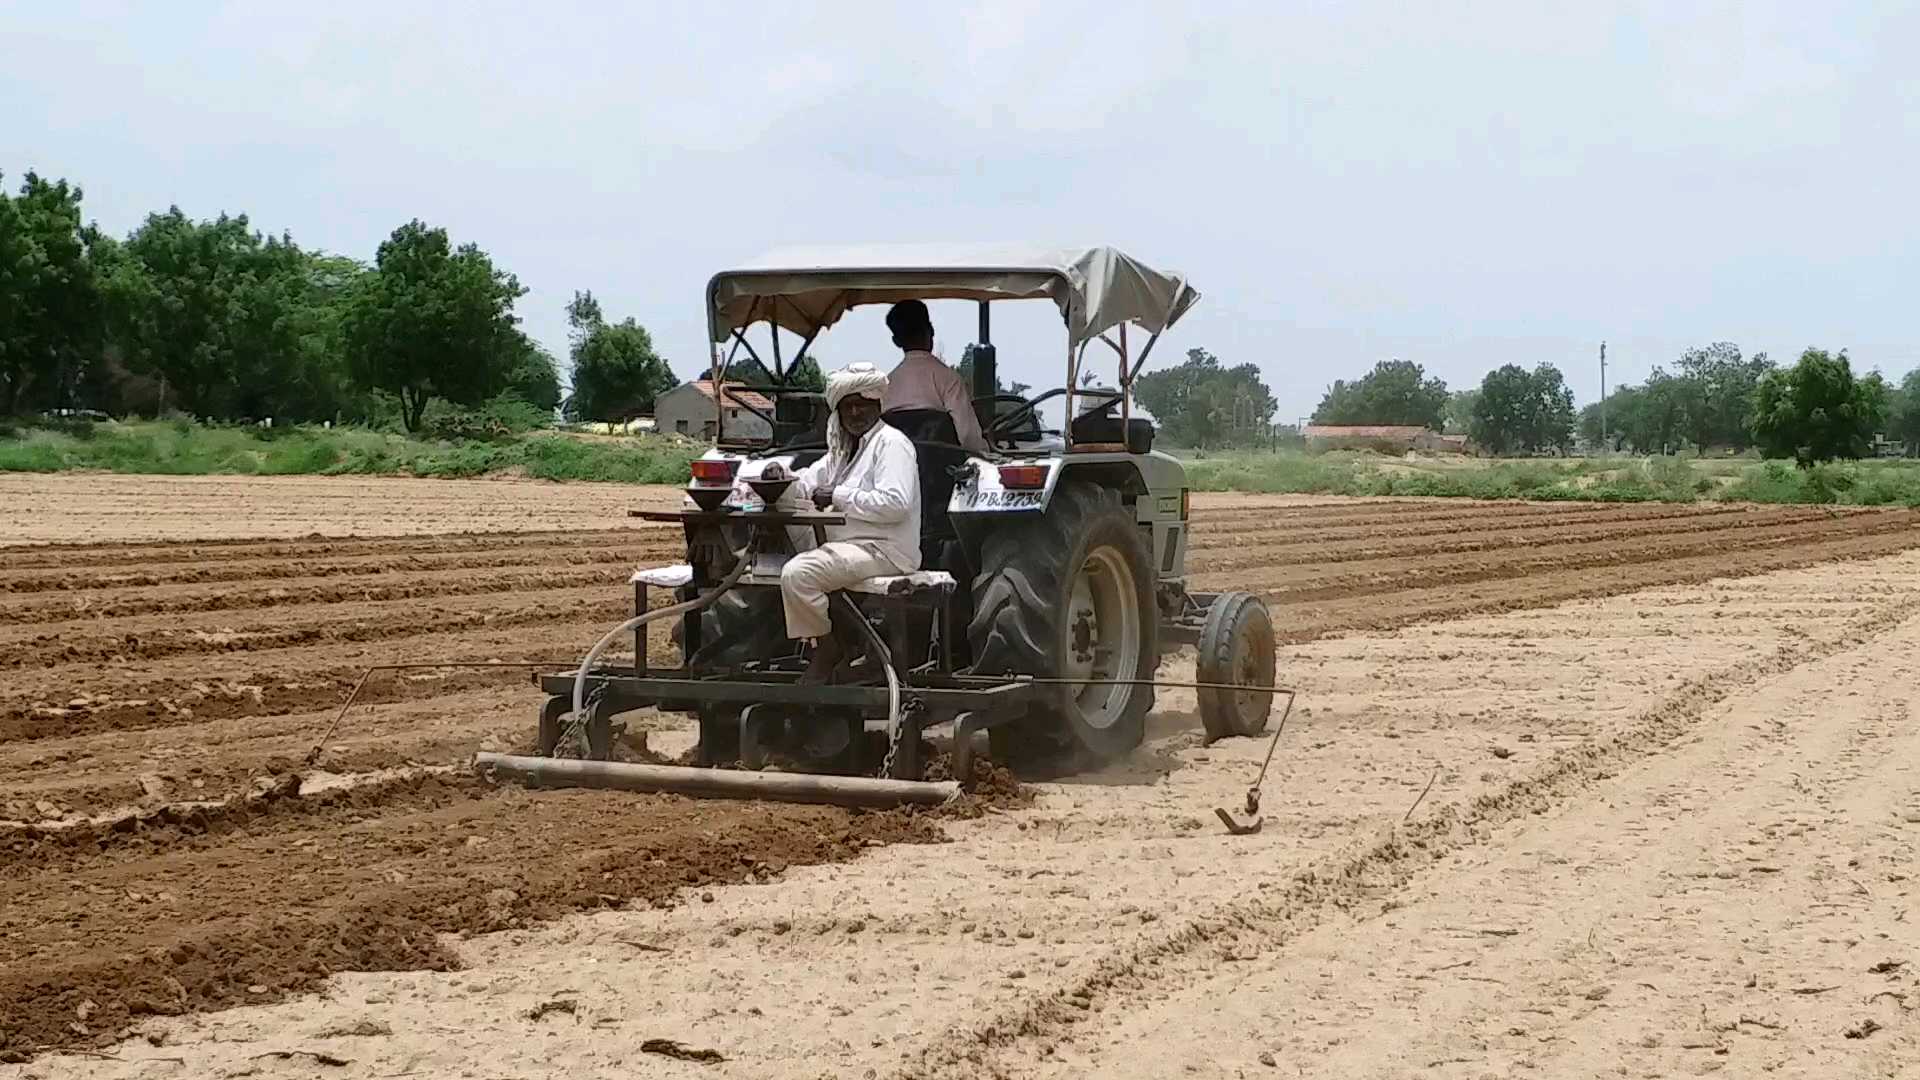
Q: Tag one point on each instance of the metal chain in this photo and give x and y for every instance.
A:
(573, 741)
(893, 742)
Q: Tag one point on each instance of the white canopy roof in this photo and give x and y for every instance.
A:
(808, 290)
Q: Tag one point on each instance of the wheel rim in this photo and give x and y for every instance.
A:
(1103, 635)
(1250, 670)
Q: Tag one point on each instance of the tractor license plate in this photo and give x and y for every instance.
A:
(996, 500)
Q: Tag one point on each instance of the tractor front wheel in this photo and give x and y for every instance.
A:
(1236, 647)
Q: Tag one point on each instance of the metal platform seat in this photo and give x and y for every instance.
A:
(892, 595)
(766, 572)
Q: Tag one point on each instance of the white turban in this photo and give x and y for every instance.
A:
(863, 379)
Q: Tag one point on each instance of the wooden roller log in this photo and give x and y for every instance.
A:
(715, 783)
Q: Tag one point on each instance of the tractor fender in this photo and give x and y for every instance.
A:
(1153, 484)
(985, 490)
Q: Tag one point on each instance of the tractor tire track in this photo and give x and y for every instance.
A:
(1368, 875)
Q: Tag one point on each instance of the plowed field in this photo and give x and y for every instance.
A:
(166, 850)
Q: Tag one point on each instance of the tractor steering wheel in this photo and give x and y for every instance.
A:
(1004, 424)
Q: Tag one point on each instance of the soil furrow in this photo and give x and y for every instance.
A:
(1311, 619)
(373, 589)
(161, 552)
(1362, 577)
(220, 571)
(142, 674)
(356, 622)
(246, 919)
(1422, 521)
(1455, 540)
(1364, 880)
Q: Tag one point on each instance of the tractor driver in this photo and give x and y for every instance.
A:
(924, 381)
(871, 476)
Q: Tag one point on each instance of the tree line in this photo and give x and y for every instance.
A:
(221, 321)
(1816, 409)
(215, 319)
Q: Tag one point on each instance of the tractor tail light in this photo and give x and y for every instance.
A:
(1023, 477)
(714, 470)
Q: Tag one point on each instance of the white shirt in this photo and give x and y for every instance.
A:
(924, 381)
(879, 492)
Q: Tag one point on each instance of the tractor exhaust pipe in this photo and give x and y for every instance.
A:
(716, 783)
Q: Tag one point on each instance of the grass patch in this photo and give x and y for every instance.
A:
(182, 448)
(1855, 483)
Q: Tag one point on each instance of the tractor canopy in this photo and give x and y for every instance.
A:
(807, 290)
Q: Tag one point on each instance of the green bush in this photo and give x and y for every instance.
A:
(501, 417)
(29, 455)
(179, 446)
(182, 447)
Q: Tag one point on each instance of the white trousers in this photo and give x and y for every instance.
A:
(808, 577)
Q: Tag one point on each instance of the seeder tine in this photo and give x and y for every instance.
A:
(1234, 826)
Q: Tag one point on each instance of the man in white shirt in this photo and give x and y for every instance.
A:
(923, 380)
(870, 475)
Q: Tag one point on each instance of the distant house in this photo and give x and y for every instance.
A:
(689, 409)
(1384, 438)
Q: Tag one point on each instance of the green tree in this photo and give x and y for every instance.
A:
(1663, 414)
(50, 299)
(1458, 418)
(321, 387)
(1201, 403)
(1521, 410)
(432, 321)
(1716, 393)
(1628, 421)
(1817, 411)
(1904, 411)
(1395, 392)
(616, 373)
(803, 375)
(232, 323)
(806, 375)
(535, 379)
(1000, 386)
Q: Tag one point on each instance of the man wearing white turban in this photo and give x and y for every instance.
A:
(870, 475)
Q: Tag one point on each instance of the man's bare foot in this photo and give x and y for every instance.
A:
(827, 654)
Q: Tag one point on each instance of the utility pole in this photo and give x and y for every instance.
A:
(1603, 397)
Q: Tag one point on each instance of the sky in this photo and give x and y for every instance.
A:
(1461, 185)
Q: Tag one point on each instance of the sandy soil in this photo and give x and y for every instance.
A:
(65, 508)
(1672, 819)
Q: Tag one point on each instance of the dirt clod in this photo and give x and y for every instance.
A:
(360, 1029)
(678, 1051)
(558, 1005)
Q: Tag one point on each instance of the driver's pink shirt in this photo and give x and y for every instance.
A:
(924, 381)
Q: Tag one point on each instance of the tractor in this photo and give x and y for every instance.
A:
(1053, 579)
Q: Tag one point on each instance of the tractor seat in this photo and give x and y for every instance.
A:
(936, 448)
(1101, 426)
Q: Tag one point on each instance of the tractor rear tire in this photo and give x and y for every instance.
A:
(1069, 594)
(1236, 646)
